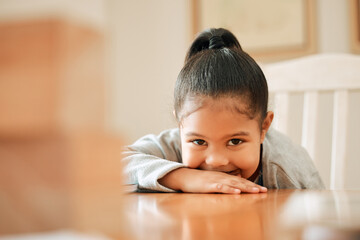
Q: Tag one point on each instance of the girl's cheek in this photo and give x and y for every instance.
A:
(253, 160)
(246, 159)
(191, 159)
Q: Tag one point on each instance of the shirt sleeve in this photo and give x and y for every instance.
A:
(152, 157)
(297, 179)
(287, 165)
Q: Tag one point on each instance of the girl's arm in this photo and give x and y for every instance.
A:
(202, 181)
(152, 157)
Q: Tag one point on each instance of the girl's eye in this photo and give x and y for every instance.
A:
(199, 142)
(234, 142)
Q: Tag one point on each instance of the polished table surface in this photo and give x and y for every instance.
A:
(278, 214)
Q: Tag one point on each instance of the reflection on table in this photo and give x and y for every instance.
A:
(279, 214)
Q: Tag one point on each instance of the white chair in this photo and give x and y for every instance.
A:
(311, 75)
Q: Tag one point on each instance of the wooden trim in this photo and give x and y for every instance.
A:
(309, 46)
(355, 25)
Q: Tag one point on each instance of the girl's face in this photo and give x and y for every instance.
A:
(219, 136)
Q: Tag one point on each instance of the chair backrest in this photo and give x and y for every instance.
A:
(311, 75)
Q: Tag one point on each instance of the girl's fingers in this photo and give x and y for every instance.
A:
(263, 189)
(255, 188)
(223, 188)
(246, 186)
(224, 183)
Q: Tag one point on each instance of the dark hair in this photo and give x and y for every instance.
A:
(216, 66)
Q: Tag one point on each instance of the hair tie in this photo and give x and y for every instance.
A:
(216, 42)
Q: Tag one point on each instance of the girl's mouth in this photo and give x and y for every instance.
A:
(235, 172)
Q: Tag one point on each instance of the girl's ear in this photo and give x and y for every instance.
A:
(266, 125)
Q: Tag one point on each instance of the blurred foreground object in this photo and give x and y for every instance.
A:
(52, 78)
(58, 167)
(53, 182)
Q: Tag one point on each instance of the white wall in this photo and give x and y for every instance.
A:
(333, 25)
(147, 42)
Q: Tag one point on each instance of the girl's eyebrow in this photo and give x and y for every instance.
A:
(242, 133)
(194, 134)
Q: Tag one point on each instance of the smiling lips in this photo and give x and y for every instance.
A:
(235, 172)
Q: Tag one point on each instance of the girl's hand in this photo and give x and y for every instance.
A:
(203, 181)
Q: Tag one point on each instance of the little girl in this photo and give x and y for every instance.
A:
(224, 142)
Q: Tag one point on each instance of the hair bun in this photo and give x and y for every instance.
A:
(216, 42)
(213, 38)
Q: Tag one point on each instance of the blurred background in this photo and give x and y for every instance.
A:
(79, 79)
(140, 49)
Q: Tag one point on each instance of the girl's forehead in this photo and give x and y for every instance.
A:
(216, 118)
(234, 104)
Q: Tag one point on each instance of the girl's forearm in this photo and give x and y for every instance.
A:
(173, 179)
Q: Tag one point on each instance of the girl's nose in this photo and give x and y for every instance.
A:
(216, 160)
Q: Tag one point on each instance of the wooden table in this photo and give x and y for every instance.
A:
(278, 214)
